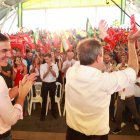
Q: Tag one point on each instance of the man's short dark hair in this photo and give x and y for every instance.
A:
(3, 37)
(48, 55)
(88, 50)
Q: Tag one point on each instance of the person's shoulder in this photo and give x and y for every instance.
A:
(1, 80)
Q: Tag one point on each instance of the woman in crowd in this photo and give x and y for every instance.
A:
(19, 71)
(35, 68)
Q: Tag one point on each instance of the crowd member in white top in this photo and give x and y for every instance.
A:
(10, 114)
(48, 74)
(126, 98)
(88, 90)
(68, 62)
(107, 63)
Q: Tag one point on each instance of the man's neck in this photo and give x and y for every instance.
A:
(97, 66)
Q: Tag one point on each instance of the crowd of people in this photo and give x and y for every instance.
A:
(52, 66)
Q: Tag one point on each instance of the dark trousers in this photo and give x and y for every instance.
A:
(51, 87)
(137, 100)
(130, 103)
(6, 136)
(74, 135)
(112, 106)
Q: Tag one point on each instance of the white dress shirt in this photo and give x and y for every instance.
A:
(49, 78)
(88, 93)
(9, 114)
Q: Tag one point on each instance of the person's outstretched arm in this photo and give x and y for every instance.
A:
(132, 55)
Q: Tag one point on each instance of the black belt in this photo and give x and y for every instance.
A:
(6, 134)
(90, 136)
(49, 82)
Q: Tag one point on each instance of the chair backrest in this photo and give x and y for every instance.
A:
(58, 89)
(38, 88)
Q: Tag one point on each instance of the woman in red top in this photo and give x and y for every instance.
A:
(19, 70)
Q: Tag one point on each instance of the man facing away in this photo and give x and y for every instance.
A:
(10, 114)
(88, 90)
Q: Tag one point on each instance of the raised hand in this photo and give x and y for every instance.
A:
(32, 77)
(103, 27)
(132, 37)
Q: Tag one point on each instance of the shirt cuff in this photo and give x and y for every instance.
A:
(19, 107)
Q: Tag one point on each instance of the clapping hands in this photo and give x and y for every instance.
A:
(26, 84)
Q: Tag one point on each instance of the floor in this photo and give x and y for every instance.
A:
(31, 128)
(23, 135)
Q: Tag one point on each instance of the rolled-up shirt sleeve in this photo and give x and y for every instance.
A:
(9, 114)
(118, 80)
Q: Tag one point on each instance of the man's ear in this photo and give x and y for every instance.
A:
(99, 58)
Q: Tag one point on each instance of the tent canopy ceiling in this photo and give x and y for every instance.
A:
(7, 5)
(39, 4)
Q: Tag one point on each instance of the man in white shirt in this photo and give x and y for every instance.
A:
(69, 62)
(88, 90)
(48, 74)
(10, 114)
(107, 63)
(126, 98)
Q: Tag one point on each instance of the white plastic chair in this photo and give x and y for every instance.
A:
(63, 88)
(37, 98)
(57, 99)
